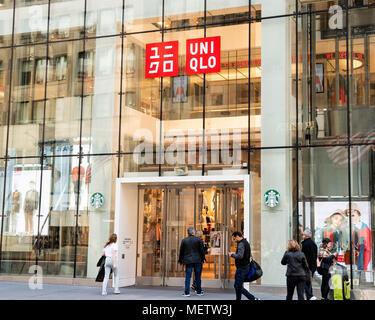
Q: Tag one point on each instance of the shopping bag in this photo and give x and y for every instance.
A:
(255, 271)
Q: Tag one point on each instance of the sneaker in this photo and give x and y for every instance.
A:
(193, 288)
(200, 294)
(104, 293)
(116, 291)
(257, 299)
(186, 295)
(313, 298)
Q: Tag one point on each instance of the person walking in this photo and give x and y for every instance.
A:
(310, 249)
(110, 252)
(199, 234)
(242, 261)
(296, 271)
(324, 262)
(192, 256)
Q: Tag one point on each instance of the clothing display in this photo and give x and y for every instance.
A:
(16, 201)
(31, 202)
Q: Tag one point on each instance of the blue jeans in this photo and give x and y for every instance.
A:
(241, 274)
(108, 267)
(197, 272)
(308, 289)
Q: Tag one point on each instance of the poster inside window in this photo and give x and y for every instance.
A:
(332, 221)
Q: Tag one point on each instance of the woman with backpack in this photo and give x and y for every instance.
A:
(324, 262)
(110, 252)
(297, 270)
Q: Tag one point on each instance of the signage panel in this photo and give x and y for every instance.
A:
(161, 59)
(203, 55)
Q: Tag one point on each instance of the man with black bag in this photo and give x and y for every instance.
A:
(310, 249)
(242, 261)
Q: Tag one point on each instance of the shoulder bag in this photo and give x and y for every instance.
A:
(255, 271)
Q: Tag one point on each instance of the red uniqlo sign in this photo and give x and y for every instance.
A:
(162, 59)
(203, 55)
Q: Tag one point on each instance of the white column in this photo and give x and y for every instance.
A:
(275, 131)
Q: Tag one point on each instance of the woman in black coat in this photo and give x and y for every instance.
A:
(297, 270)
(325, 261)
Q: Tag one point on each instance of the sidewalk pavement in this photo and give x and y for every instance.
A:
(21, 291)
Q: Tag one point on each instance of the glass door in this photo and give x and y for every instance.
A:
(151, 235)
(165, 213)
(179, 213)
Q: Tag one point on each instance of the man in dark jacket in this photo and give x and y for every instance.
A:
(192, 256)
(242, 261)
(310, 249)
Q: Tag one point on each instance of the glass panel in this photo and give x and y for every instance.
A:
(236, 11)
(227, 107)
(96, 210)
(5, 64)
(362, 75)
(255, 84)
(28, 93)
(138, 164)
(31, 22)
(66, 19)
(6, 23)
(140, 119)
(104, 17)
(2, 177)
(182, 14)
(323, 102)
(101, 101)
(21, 213)
(57, 216)
(362, 163)
(182, 113)
(63, 106)
(151, 226)
(180, 216)
(143, 15)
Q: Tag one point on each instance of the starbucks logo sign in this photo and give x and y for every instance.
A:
(272, 198)
(97, 200)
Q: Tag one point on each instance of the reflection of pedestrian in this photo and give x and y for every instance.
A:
(242, 261)
(324, 262)
(192, 256)
(310, 250)
(297, 266)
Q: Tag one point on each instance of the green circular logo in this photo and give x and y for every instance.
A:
(272, 198)
(97, 200)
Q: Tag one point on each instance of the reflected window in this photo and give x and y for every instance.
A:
(20, 112)
(86, 64)
(25, 72)
(61, 67)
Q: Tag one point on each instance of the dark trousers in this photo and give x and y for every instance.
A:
(291, 283)
(197, 273)
(241, 274)
(308, 288)
(325, 284)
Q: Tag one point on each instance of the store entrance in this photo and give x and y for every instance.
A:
(165, 213)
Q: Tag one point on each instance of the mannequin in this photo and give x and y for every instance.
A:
(31, 203)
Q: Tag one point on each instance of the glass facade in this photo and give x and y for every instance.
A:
(293, 107)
